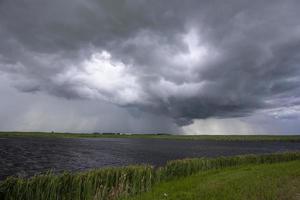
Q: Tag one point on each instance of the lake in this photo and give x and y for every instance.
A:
(27, 156)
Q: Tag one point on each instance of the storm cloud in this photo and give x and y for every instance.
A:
(183, 60)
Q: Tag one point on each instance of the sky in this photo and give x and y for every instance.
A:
(148, 66)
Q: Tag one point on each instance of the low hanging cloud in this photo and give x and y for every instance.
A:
(185, 60)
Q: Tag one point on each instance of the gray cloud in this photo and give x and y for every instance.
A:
(184, 60)
(42, 112)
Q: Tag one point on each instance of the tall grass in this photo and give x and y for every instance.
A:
(186, 167)
(107, 183)
(113, 183)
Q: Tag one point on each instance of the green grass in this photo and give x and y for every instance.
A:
(115, 183)
(291, 138)
(264, 181)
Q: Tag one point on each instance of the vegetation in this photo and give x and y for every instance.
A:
(114, 183)
(252, 182)
(290, 138)
(107, 183)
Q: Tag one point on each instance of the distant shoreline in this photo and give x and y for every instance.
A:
(288, 138)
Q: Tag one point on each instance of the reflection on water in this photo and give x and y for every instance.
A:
(28, 156)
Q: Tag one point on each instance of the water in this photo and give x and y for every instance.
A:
(28, 156)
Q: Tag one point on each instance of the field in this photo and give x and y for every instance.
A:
(291, 138)
(180, 179)
(253, 182)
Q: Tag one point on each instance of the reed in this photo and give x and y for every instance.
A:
(186, 167)
(109, 183)
(114, 183)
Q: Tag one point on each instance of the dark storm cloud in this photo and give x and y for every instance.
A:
(183, 59)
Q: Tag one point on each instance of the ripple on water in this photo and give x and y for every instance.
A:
(27, 156)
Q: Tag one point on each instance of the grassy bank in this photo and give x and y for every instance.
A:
(291, 138)
(253, 182)
(114, 183)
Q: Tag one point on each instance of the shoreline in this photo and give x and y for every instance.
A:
(116, 182)
(287, 138)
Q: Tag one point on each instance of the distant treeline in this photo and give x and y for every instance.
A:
(287, 138)
(114, 183)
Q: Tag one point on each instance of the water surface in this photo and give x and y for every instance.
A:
(28, 156)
